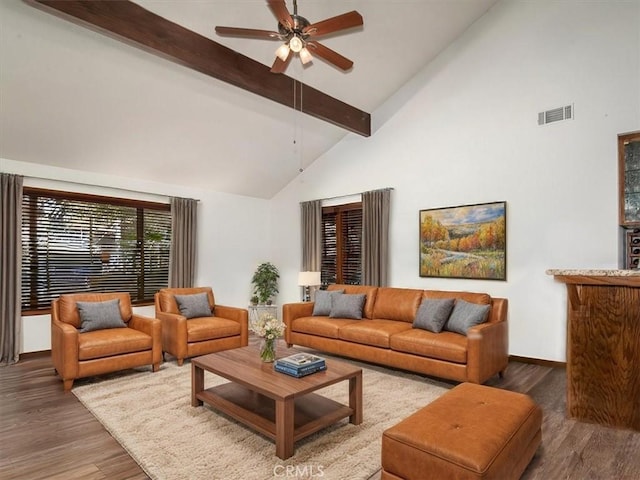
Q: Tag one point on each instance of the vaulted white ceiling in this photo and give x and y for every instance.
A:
(74, 98)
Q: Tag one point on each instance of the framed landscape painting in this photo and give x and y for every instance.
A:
(469, 241)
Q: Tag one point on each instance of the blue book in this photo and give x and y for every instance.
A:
(302, 370)
(297, 373)
(302, 360)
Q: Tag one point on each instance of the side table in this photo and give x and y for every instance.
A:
(256, 310)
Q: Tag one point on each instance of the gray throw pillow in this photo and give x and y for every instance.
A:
(323, 301)
(100, 315)
(465, 315)
(433, 314)
(194, 305)
(347, 305)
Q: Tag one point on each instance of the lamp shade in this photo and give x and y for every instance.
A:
(309, 279)
(283, 52)
(295, 44)
(305, 56)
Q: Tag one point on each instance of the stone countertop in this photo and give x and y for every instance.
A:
(594, 272)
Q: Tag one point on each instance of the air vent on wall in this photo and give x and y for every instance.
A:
(555, 115)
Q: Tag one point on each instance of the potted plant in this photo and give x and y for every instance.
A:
(254, 300)
(265, 282)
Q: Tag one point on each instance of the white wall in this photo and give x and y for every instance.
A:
(465, 132)
(233, 233)
(470, 135)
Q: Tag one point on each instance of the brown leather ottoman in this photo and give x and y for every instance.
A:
(471, 432)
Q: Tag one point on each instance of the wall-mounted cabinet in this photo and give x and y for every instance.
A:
(629, 198)
(632, 248)
(629, 173)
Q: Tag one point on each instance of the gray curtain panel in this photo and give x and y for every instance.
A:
(311, 235)
(10, 267)
(182, 260)
(375, 237)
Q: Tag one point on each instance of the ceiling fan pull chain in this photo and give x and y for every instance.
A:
(295, 118)
(301, 169)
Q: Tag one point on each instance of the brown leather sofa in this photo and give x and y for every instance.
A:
(385, 335)
(77, 354)
(226, 328)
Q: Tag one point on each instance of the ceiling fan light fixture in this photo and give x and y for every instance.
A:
(298, 35)
(305, 56)
(283, 52)
(296, 44)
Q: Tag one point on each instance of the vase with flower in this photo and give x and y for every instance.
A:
(269, 328)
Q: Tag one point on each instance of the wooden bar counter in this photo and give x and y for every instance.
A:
(603, 345)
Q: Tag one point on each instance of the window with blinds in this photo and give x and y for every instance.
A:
(75, 243)
(342, 244)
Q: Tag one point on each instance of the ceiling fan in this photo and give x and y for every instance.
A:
(299, 35)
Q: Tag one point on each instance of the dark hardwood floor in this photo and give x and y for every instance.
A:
(47, 434)
(571, 449)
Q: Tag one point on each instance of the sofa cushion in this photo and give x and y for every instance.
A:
(68, 311)
(347, 305)
(167, 299)
(110, 342)
(210, 328)
(100, 315)
(321, 326)
(447, 346)
(372, 332)
(369, 291)
(323, 301)
(397, 303)
(433, 313)
(473, 297)
(465, 315)
(194, 305)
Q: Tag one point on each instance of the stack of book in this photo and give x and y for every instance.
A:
(300, 364)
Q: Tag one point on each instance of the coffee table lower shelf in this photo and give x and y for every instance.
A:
(311, 412)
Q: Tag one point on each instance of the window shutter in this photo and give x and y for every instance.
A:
(351, 258)
(342, 244)
(82, 243)
(329, 262)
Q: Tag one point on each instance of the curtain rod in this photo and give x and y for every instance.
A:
(102, 186)
(351, 194)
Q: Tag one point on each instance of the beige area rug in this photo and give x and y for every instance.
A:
(150, 414)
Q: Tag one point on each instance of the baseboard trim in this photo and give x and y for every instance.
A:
(538, 361)
(38, 354)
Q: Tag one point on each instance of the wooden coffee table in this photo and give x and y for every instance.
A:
(280, 407)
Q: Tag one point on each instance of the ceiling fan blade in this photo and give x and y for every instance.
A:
(334, 24)
(279, 66)
(279, 9)
(329, 55)
(248, 32)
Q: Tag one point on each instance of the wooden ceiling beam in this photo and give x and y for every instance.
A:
(129, 22)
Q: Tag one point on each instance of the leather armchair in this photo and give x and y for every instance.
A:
(77, 354)
(226, 328)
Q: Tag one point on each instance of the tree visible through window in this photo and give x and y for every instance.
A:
(84, 243)
(342, 244)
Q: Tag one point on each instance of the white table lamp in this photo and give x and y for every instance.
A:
(306, 280)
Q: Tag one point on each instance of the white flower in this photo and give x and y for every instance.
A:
(267, 326)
